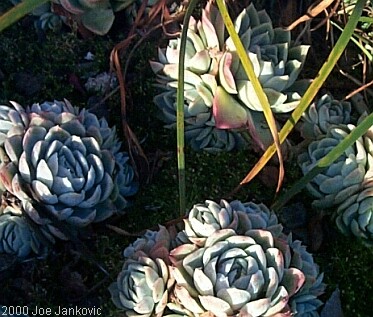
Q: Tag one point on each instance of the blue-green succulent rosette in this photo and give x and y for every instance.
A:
(143, 286)
(322, 114)
(345, 185)
(306, 302)
(19, 238)
(230, 259)
(214, 222)
(68, 161)
(219, 100)
(344, 177)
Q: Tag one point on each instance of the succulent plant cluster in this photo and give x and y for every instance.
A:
(231, 259)
(61, 169)
(46, 17)
(95, 15)
(347, 184)
(220, 100)
(322, 114)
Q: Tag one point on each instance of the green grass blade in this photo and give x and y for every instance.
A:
(249, 69)
(328, 159)
(313, 89)
(180, 110)
(358, 44)
(18, 12)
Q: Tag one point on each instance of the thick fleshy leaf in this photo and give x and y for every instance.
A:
(202, 283)
(215, 305)
(82, 217)
(99, 21)
(188, 301)
(275, 259)
(293, 280)
(71, 199)
(44, 193)
(181, 251)
(225, 75)
(235, 297)
(92, 200)
(256, 308)
(44, 174)
(145, 305)
(247, 95)
(219, 236)
(200, 62)
(256, 251)
(272, 280)
(228, 113)
(256, 284)
(13, 147)
(262, 237)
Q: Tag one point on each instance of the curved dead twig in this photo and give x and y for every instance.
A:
(327, 17)
(313, 11)
(133, 145)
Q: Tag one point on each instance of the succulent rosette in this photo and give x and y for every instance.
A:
(306, 302)
(202, 273)
(354, 217)
(69, 162)
(231, 259)
(347, 183)
(219, 102)
(200, 130)
(124, 184)
(49, 110)
(324, 113)
(17, 234)
(143, 285)
(204, 219)
(203, 51)
(346, 176)
(10, 117)
(235, 274)
(276, 63)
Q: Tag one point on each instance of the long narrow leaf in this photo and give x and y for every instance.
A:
(358, 44)
(313, 89)
(18, 12)
(180, 109)
(328, 159)
(249, 69)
